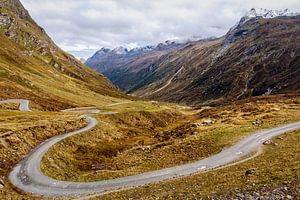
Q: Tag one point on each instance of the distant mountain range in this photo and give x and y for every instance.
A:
(260, 55)
(122, 66)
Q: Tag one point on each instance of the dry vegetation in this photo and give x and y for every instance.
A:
(149, 136)
(21, 132)
(143, 136)
(136, 142)
(116, 138)
(8, 106)
(33, 67)
(275, 175)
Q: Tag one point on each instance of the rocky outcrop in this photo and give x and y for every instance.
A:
(5, 20)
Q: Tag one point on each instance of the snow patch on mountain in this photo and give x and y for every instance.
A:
(265, 13)
(123, 50)
(103, 51)
(145, 48)
(120, 50)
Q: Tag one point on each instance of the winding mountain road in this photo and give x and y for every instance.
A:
(27, 175)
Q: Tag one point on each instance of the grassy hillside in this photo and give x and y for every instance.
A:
(147, 136)
(274, 175)
(136, 136)
(135, 142)
(33, 67)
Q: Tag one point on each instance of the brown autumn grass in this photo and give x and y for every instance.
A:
(277, 169)
(8, 106)
(130, 143)
(157, 133)
(20, 132)
(33, 67)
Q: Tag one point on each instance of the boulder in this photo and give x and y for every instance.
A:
(267, 142)
(257, 122)
(4, 20)
(1, 183)
(208, 122)
(249, 172)
(146, 148)
(195, 125)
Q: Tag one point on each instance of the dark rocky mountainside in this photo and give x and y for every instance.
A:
(261, 56)
(258, 56)
(33, 67)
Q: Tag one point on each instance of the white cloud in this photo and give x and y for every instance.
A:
(91, 24)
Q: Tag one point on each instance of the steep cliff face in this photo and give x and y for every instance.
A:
(259, 56)
(32, 66)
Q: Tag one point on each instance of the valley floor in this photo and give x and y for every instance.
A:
(146, 136)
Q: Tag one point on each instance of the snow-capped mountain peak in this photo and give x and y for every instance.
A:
(120, 50)
(103, 51)
(144, 48)
(265, 13)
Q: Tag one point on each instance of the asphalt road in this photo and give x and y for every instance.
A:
(28, 176)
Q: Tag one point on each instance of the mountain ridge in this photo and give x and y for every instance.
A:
(131, 63)
(245, 39)
(258, 56)
(33, 67)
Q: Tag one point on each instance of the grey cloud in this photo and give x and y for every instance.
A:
(79, 25)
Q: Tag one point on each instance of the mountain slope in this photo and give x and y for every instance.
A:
(259, 56)
(126, 68)
(33, 67)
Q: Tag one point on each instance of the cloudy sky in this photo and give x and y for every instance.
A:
(83, 26)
